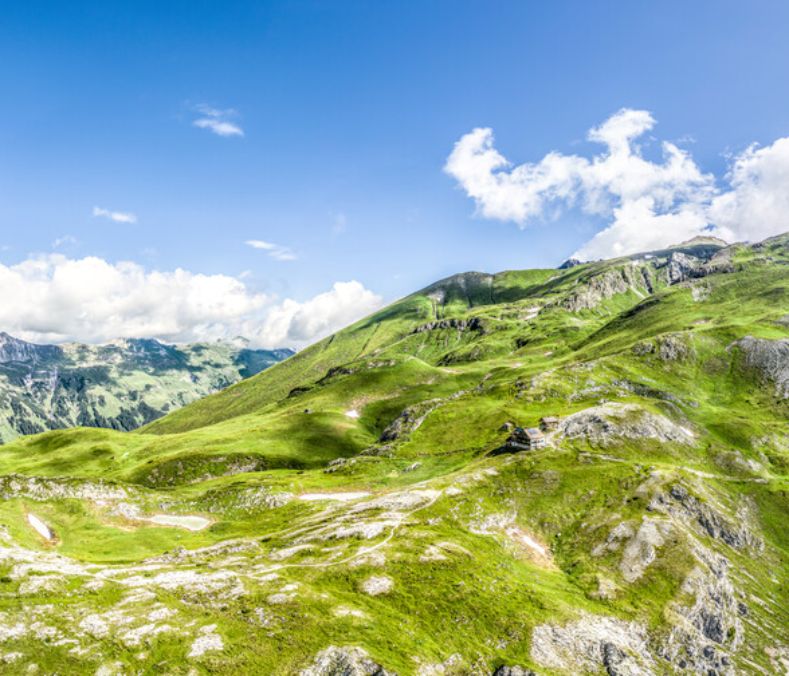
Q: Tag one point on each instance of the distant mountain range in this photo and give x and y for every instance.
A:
(121, 385)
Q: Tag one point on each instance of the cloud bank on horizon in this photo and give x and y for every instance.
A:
(53, 298)
(645, 204)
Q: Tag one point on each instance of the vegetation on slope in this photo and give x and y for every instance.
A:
(356, 497)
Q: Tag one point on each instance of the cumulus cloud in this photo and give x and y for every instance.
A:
(294, 323)
(644, 204)
(277, 252)
(217, 121)
(117, 216)
(757, 206)
(54, 298)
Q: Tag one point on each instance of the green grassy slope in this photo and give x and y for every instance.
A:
(647, 537)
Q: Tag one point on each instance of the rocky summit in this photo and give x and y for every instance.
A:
(122, 385)
(357, 509)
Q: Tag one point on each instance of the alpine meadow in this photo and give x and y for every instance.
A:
(268, 409)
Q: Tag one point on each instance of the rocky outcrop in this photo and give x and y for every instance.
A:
(347, 661)
(640, 546)
(674, 348)
(770, 358)
(714, 524)
(513, 671)
(680, 267)
(670, 347)
(413, 416)
(42, 489)
(592, 643)
(409, 420)
(606, 285)
(707, 632)
(606, 423)
(472, 324)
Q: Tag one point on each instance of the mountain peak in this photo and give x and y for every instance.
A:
(701, 240)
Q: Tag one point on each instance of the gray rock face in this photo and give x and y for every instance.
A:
(674, 348)
(569, 263)
(409, 420)
(770, 358)
(593, 642)
(640, 546)
(711, 629)
(473, 324)
(681, 267)
(347, 661)
(413, 416)
(716, 525)
(641, 550)
(606, 285)
(605, 423)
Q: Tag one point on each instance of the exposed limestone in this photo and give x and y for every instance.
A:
(700, 292)
(620, 533)
(41, 489)
(680, 267)
(768, 357)
(606, 285)
(706, 633)
(409, 420)
(346, 661)
(640, 547)
(472, 324)
(377, 585)
(208, 640)
(602, 424)
(593, 642)
(716, 525)
(674, 348)
(641, 550)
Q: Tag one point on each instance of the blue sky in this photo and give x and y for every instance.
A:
(349, 111)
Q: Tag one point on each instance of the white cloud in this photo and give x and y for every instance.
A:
(757, 206)
(291, 322)
(64, 241)
(54, 298)
(218, 121)
(117, 216)
(647, 204)
(277, 252)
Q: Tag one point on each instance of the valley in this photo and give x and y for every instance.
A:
(119, 386)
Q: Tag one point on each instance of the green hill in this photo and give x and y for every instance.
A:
(360, 508)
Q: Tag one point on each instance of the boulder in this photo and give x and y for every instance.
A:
(346, 661)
